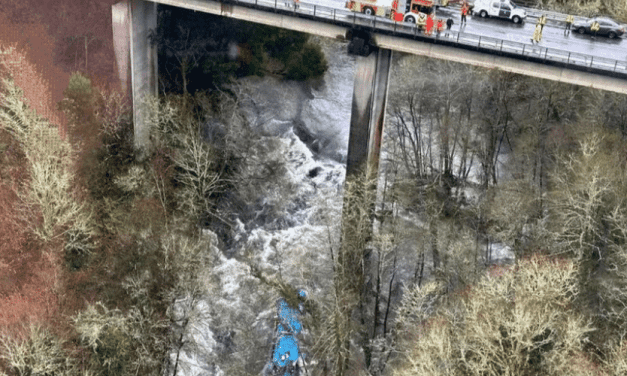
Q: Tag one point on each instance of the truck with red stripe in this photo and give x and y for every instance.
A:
(414, 9)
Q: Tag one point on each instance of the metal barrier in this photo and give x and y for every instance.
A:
(551, 16)
(523, 50)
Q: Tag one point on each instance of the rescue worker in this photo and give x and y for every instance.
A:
(464, 12)
(422, 21)
(429, 24)
(595, 29)
(440, 26)
(394, 9)
(449, 24)
(537, 34)
(569, 22)
(542, 21)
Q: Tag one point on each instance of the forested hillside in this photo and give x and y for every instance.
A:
(500, 219)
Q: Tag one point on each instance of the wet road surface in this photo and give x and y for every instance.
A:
(552, 37)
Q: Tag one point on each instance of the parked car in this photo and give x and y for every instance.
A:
(501, 9)
(607, 27)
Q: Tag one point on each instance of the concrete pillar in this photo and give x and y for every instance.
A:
(368, 111)
(121, 22)
(136, 59)
(367, 116)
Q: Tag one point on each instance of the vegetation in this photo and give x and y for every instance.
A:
(197, 51)
(514, 321)
(105, 259)
(585, 8)
(551, 197)
(124, 260)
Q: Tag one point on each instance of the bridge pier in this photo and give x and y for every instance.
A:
(136, 59)
(368, 111)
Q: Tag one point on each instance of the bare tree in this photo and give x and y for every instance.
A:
(197, 164)
(50, 193)
(512, 322)
(39, 353)
(185, 259)
(587, 214)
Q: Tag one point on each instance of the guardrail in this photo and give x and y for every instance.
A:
(525, 51)
(554, 17)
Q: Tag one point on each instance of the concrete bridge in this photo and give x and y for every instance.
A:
(137, 60)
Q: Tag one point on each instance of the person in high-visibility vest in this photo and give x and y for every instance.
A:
(422, 21)
(569, 22)
(595, 29)
(429, 24)
(542, 21)
(537, 34)
(464, 12)
(439, 26)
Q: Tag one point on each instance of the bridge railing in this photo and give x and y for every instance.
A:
(555, 17)
(453, 38)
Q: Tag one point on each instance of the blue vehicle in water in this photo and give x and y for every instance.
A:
(287, 358)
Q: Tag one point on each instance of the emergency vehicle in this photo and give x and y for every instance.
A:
(414, 9)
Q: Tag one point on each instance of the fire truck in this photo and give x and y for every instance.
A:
(414, 9)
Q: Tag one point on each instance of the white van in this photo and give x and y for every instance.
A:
(499, 8)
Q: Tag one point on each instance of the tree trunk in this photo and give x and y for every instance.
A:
(422, 267)
(434, 244)
(178, 353)
(387, 309)
(184, 67)
(86, 53)
(376, 301)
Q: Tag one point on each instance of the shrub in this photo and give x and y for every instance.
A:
(306, 63)
(41, 353)
(107, 333)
